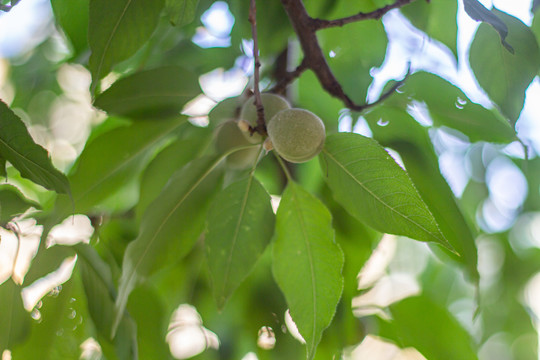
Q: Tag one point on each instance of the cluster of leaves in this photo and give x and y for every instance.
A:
(173, 224)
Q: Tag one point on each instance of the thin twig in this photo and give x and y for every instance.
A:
(289, 77)
(386, 94)
(261, 127)
(319, 24)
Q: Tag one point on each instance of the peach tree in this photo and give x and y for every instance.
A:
(264, 208)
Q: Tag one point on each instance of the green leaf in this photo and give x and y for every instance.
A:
(3, 171)
(449, 106)
(311, 96)
(430, 328)
(153, 94)
(101, 294)
(166, 162)
(13, 203)
(46, 261)
(201, 60)
(147, 309)
(181, 12)
(374, 189)
(14, 320)
(535, 27)
(61, 327)
(307, 263)
(505, 76)
(479, 12)
(109, 161)
(403, 134)
(117, 29)
(273, 26)
(72, 17)
(240, 226)
(32, 161)
(436, 18)
(170, 226)
(351, 60)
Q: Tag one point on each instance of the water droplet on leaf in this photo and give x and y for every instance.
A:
(36, 315)
(460, 103)
(382, 122)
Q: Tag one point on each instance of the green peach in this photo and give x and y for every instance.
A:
(297, 135)
(272, 104)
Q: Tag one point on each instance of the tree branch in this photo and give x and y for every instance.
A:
(289, 77)
(319, 24)
(314, 59)
(261, 127)
(313, 55)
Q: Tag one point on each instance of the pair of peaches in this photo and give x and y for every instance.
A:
(297, 135)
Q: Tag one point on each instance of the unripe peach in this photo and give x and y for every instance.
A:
(297, 135)
(272, 104)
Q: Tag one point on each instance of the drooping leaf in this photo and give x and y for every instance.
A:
(72, 17)
(14, 320)
(307, 263)
(117, 29)
(101, 294)
(403, 134)
(13, 203)
(503, 75)
(166, 162)
(181, 12)
(108, 162)
(32, 161)
(431, 329)
(450, 107)
(479, 12)
(240, 226)
(151, 94)
(374, 189)
(437, 19)
(170, 226)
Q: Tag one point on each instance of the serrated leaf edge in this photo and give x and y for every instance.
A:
(441, 240)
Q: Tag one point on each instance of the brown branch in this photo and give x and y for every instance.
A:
(289, 77)
(313, 54)
(261, 127)
(385, 95)
(314, 59)
(319, 24)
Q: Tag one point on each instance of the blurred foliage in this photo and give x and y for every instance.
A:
(114, 115)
